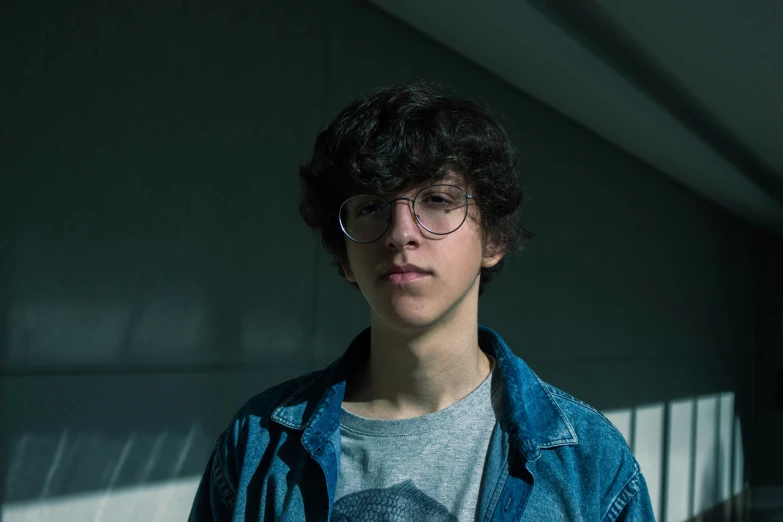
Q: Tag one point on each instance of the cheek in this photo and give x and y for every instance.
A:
(461, 260)
(359, 265)
(471, 237)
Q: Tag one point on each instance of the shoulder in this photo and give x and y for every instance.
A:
(262, 406)
(604, 476)
(601, 453)
(239, 449)
(251, 430)
(591, 426)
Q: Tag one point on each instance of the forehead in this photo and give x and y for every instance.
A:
(451, 178)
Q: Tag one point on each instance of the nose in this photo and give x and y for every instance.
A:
(403, 228)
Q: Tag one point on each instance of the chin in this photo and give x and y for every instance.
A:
(403, 316)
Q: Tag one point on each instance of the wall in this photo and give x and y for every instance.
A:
(154, 273)
(767, 454)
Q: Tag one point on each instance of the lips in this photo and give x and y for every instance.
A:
(405, 273)
(404, 277)
(406, 268)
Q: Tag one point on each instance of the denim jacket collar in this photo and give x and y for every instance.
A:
(530, 415)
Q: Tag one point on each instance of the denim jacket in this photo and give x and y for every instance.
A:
(551, 457)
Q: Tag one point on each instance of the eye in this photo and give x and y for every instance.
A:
(438, 199)
(368, 209)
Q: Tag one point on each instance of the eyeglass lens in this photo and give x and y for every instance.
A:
(440, 209)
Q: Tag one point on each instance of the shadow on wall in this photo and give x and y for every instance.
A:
(139, 478)
(690, 451)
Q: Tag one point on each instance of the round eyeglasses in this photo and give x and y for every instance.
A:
(439, 209)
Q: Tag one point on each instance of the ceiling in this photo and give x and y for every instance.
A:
(692, 88)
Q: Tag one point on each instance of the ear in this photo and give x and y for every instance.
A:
(493, 253)
(348, 272)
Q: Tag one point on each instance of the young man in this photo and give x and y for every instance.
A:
(427, 415)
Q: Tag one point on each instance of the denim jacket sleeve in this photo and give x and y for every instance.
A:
(638, 507)
(216, 494)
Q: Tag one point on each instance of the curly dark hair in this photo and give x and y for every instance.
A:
(399, 137)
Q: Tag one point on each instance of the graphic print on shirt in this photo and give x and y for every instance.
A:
(400, 503)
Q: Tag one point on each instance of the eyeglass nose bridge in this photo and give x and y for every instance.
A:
(411, 207)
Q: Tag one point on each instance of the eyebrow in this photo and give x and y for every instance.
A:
(448, 179)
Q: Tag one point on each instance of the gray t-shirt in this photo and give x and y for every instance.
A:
(425, 468)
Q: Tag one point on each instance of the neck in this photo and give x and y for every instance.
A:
(410, 374)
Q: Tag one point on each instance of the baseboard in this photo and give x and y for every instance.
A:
(734, 509)
(766, 503)
(757, 504)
